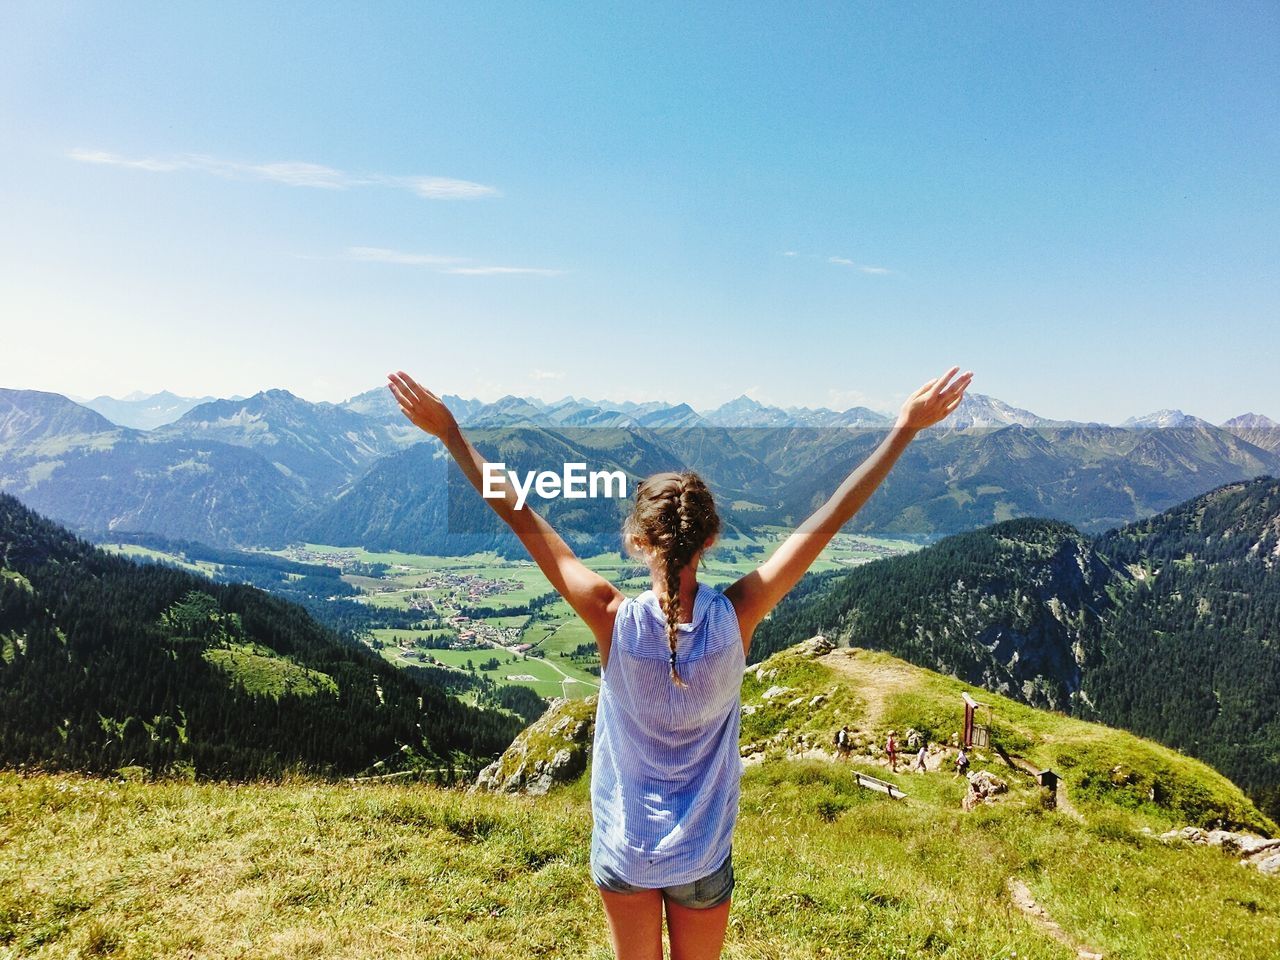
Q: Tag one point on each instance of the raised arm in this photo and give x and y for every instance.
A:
(592, 597)
(759, 592)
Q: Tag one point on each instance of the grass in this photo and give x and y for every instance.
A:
(263, 672)
(825, 869)
(1107, 771)
(547, 682)
(135, 552)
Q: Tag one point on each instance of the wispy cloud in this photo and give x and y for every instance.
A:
(494, 271)
(547, 375)
(383, 255)
(461, 266)
(864, 267)
(293, 174)
(442, 188)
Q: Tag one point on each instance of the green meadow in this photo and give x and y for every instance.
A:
(825, 868)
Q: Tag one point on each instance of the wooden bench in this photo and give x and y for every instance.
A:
(875, 783)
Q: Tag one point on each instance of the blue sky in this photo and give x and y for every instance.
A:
(813, 204)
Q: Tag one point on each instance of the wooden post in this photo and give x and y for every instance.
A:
(969, 706)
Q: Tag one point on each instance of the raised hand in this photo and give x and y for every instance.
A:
(935, 400)
(420, 405)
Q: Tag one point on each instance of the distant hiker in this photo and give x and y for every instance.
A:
(962, 762)
(920, 758)
(844, 741)
(891, 748)
(665, 767)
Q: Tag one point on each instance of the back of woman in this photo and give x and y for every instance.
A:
(664, 780)
(665, 766)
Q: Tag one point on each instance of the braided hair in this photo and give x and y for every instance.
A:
(674, 516)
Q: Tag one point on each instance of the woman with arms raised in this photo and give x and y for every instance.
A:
(665, 764)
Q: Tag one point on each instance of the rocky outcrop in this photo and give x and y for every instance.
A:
(551, 751)
(1253, 851)
(815, 647)
(984, 787)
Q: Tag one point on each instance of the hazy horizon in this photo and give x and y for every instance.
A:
(138, 396)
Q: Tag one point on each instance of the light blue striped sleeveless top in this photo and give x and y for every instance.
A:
(665, 766)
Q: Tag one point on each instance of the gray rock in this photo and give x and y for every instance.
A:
(818, 646)
(1262, 853)
(551, 751)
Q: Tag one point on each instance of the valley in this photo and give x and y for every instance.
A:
(462, 613)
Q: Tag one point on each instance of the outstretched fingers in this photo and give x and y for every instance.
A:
(405, 383)
(957, 387)
(418, 391)
(923, 389)
(400, 395)
(941, 383)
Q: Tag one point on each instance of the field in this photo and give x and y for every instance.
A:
(825, 869)
(136, 552)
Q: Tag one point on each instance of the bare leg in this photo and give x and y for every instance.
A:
(635, 924)
(697, 934)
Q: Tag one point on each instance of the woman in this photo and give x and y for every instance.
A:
(665, 767)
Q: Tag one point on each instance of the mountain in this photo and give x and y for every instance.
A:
(1258, 430)
(321, 445)
(106, 663)
(263, 470)
(1169, 626)
(227, 473)
(681, 415)
(416, 500)
(35, 423)
(977, 410)
(853, 417)
(746, 412)
(1163, 420)
(145, 411)
(72, 464)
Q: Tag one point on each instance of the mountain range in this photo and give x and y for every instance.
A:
(146, 411)
(270, 468)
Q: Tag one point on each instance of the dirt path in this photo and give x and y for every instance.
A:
(1063, 802)
(874, 684)
(1061, 799)
(1039, 918)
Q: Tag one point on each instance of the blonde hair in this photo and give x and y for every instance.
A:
(674, 516)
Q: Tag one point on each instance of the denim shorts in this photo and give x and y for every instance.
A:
(711, 891)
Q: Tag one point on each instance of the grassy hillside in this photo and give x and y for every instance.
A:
(1105, 772)
(107, 663)
(1169, 627)
(825, 867)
